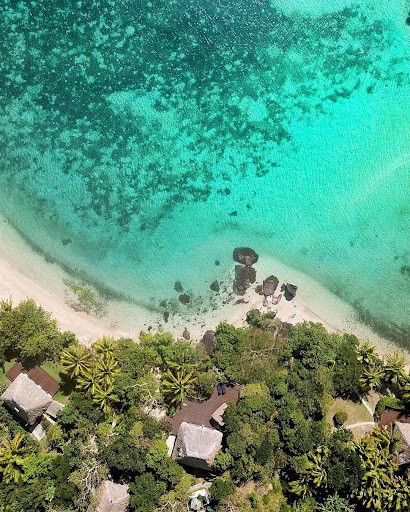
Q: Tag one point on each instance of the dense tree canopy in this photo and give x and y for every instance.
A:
(278, 441)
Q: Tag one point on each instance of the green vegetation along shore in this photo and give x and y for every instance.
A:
(288, 442)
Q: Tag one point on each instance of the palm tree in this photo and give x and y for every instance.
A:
(88, 381)
(367, 355)
(104, 346)
(335, 504)
(76, 360)
(107, 369)
(395, 368)
(105, 397)
(315, 466)
(11, 462)
(175, 387)
(372, 377)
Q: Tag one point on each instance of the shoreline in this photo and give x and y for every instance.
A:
(30, 276)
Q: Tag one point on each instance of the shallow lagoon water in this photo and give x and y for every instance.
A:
(140, 142)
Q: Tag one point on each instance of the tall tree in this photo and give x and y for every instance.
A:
(76, 360)
(11, 460)
(175, 386)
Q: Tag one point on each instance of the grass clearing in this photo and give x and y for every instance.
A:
(356, 412)
(4, 381)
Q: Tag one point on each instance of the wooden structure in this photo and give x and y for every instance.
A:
(200, 413)
(37, 375)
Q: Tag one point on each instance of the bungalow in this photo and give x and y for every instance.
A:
(26, 398)
(197, 446)
(111, 497)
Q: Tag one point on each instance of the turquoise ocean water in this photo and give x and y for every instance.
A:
(141, 141)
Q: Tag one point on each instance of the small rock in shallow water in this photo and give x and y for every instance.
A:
(166, 316)
(215, 286)
(178, 287)
(184, 298)
(217, 263)
(66, 241)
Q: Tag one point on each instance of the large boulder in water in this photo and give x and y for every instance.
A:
(245, 255)
(244, 277)
(269, 285)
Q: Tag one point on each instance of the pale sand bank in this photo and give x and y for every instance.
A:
(29, 275)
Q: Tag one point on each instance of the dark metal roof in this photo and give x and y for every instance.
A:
(200, 413)
(37, 375)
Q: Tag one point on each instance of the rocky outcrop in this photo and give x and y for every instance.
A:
(209, 342)
(244, 277)
(245, 255)
(186, 334)
(269, 285)
(290, 290)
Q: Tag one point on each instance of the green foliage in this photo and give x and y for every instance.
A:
(390, 403)
(382, 487)
(145, 492)
(94, 371)
(221, 488)
(347, 369)
(29, 332)
(205, 384)
(176, 384)
(339, 418)
(261, 320)
(245, 355)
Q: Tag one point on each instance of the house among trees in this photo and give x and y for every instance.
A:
(197, 446)
(26, 398)
(403, 430)
(111, 497)
(31, 392)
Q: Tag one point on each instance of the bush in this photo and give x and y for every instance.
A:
(205, 384)
(220, 489)
(390, 403)
(339, 418)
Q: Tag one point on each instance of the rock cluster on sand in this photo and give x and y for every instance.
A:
(245, 255)
(245, 274)
(244, 277)
(290, 290)
(269, 285)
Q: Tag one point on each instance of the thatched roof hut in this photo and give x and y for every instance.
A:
(197, 446)
(54, 408)
(26, 398)
(403, 430)
(111, 497)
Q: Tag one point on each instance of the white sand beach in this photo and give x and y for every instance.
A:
(30, 276)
